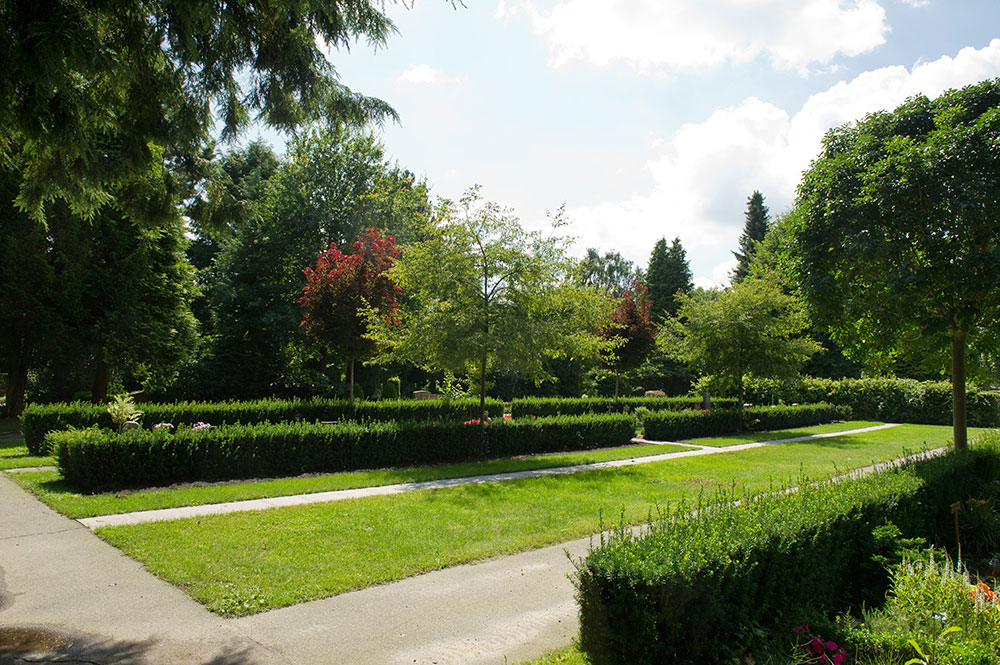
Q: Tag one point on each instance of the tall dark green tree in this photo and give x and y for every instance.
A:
(94, 92)
(668, 275)
(754, 230)
(897, 227)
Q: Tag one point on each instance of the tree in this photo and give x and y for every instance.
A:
(630, 331)
(342, 288)
(97, 92)
(898, 230)
(668, 274)
(752, 330)
(610, 273)
(482, 293)
(754, 230)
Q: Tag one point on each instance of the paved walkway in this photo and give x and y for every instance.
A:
(79, 600)
(695, 450)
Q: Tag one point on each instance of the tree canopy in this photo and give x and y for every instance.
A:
(755, 227)
(630, 330)
(610, 273)
(668, 274)
(897, 228)
(94, 93)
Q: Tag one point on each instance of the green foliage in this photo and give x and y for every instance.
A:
(91, 459)
(122, 409)
(885, 399)
(668, 275)
(484, 293)
(679, 425)
(40, 419)
(630, 331)
(755, 229)
(610, 274)
(750, 330)
(391, 390)
(524, 407)
(759, 565)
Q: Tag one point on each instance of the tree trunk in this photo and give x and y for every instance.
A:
(958, 339)
(617, 379)
(740, 396)
(482, 392)
(17, 383)
(350, 380)
(99, 390)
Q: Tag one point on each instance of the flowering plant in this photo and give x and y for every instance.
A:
(819, 651)
(166, 426)
(200, 425)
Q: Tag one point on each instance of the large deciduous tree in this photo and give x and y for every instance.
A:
(610, 273)
(482, 293)
(667, 275)
(751, 330)
(342, 288)
(630, 331)
(755, 227)
(898, 229)
(90, 88)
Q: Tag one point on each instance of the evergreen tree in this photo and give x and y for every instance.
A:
(668, 275)
(754, 230)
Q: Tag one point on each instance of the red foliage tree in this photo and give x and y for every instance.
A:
(341, 287)
(631, 323)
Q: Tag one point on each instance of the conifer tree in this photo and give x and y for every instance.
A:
(668, 274)
(754, 230)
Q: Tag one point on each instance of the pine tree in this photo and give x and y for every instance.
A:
(668, 275)
(754, 230)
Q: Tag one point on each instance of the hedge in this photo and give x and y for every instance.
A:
(94, 459)
(710, 576)
(551, 406)
(39, 419)
(885, 399)
(679, 425)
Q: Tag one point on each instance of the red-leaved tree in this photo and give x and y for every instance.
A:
(631, 325)
(340, 288)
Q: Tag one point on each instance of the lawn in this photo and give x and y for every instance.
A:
(754, 437)
(243, 563)
(48, 486)
(14, 455)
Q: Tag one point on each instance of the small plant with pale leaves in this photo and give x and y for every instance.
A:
(122, 410)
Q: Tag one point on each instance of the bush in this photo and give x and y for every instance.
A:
(679, 425)
(39, 419)
(93, 459)
(524, 407)
(764, 563)
(885, 399)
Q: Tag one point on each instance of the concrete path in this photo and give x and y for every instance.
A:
(695, 450)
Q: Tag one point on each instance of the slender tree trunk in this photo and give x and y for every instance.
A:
(17, 384)
(958, 339)
(99, 390)
(740, 398)
(617, 378)
(350, 380)
(482, 391)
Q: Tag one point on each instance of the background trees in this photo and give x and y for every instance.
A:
(630, 331)
(480, 293)
(668, 274)
(610, 273)
(754, 230)
(897, 229)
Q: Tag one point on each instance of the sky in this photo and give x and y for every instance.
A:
(652, 118)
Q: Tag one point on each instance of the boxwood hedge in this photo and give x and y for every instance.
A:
(93, 459)
(679, 425)
(552, 406)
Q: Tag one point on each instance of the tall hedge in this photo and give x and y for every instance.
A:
(39, 419)
(885, 399)
(523, 407)
(95, 459)
(705, 576)
(679, 425)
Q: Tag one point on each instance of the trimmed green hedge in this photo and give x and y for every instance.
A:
(39, 419)
(524, 407)
(93, 459)
(885, 399)
(707, 577)
(679, 425)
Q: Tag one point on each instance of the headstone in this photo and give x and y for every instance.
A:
(130, 424)
(706, 401)
(423, 394)
(655, 393)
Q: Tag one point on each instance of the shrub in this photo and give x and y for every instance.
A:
(729, 568)
(93, 459)
(523, 407)
(39, 419)
(679, 425)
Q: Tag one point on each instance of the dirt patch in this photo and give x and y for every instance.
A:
(32, 640)
(701, 482)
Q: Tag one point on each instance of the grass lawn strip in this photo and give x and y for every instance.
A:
(50, 489)
(740, 439)
(14, 455)
(343, 495)
(243, 563)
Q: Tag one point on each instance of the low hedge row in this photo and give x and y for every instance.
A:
(679, 425)
(39, 419)
(552, 406)
(700, 581)
(885, 399)
(94, 459)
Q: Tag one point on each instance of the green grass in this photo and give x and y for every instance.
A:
(567, 656)
(14, 455)
(243, 563)
(50, 488)
(755, 437)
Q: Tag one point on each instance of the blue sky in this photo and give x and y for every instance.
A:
(650, 118)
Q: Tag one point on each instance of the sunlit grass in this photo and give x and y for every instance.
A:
(14, 455)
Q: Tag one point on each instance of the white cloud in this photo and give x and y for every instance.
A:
(424, 74)
(703, 174)
(916, 3)
(652, 35)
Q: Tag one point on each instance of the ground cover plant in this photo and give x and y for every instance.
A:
(243, 563)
